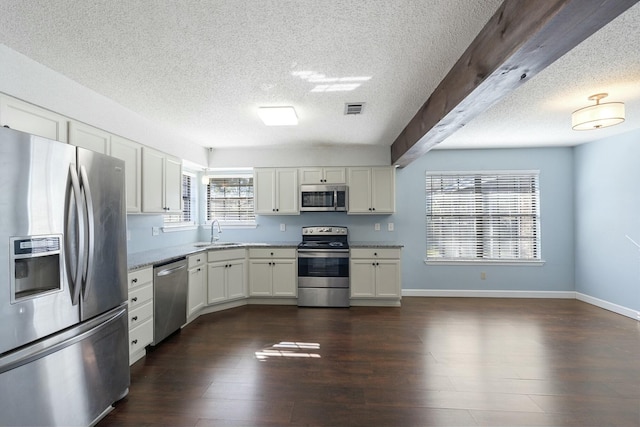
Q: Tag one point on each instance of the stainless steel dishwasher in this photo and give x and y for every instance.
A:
(169, 298)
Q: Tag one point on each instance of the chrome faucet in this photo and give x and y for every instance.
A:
(217, 237)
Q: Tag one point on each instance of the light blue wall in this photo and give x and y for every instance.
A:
(556, 212)
(607, 201)
(140, 228)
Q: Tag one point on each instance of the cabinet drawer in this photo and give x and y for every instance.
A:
(140, 295)
(197, 259)
(141, 313)
(226, 254)
(140, 336)
(380, 253)
(139, 277)
(272, 253)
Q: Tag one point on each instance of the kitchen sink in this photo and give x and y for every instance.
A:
(215, 244)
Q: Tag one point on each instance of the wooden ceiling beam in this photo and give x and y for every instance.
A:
(519, 41)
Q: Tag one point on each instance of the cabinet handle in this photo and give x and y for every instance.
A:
(198, 260)
(373, 263)
(375, 254)
(198, 269)
(373, 209)
(273, 210)
(377, 263)
(134, 318)
(134, 342)
(271, 253)
(134, 281)
(134, 299)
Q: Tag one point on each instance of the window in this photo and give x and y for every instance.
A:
(492, 216)
(188, 203)
(230, 198)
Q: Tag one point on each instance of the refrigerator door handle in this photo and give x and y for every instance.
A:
(75, 184)
(91, 232)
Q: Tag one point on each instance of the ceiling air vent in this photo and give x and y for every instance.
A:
(353, 108)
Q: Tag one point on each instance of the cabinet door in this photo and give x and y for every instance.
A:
(363, 278)
(310, 175)
(264, 191)
(287, 192)
(260, 278)
(152, 181)
(284, 278)
(85, 136)
(173, 184)
(25, 117)
(359, 190)
(387, 279)
(197, 295)
(216, 277)
(236, 280)
(335, 175)
(131, 153)
(383, 198)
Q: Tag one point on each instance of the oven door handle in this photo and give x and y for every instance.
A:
(323, 254)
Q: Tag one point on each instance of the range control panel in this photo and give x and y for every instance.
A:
(325, 230)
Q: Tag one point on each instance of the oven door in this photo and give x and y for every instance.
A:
(318, 268)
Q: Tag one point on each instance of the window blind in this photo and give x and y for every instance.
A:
(483, 216)
(230, 198)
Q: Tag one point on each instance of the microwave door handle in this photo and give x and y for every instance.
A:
(91, 232)
(75, 185)
(335, 199)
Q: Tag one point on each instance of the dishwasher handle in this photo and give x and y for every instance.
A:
(168, 271)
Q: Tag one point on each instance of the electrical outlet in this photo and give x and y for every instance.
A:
(483, 275)
(283, 227)
(390, 226)
(377, 226)
(155, 231)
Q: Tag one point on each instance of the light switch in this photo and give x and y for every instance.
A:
(377, 226)
(390, 226)
(283, 227)
(155, 231)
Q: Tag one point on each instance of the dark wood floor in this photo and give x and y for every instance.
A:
(433, 362)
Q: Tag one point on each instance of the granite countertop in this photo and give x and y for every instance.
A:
(391, 245)
(163, 255)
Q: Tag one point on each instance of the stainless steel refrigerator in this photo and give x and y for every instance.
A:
(64, 356)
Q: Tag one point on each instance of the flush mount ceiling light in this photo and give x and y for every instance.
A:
(599, 115)
(278, 116)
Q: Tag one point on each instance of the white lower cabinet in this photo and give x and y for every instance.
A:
(197, 289)
(272, 272)
(140, 312)
(375, 273)
(226, 276)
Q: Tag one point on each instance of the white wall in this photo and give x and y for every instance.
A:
(25, 79)
(301, 156)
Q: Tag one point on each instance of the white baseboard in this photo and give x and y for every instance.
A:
(625, 311)
(463, 293)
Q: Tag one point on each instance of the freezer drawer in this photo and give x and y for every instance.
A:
(72, 380)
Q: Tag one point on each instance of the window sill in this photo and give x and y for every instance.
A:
(174, 228)
(533, 263)
(232, 225)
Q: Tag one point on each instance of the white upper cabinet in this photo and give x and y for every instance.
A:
(94, 139)
(331, 175)
(372, 190)
(276, 191)
(161, 182)
(85, 136)
(25, 117)
(131, 153)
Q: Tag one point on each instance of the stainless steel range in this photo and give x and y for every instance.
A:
(323, 267)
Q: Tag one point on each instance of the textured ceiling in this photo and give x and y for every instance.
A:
(201, 68)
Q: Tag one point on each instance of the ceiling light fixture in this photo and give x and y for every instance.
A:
(278, 116)
(599, 115)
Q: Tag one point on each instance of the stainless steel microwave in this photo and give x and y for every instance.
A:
(315, 198)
